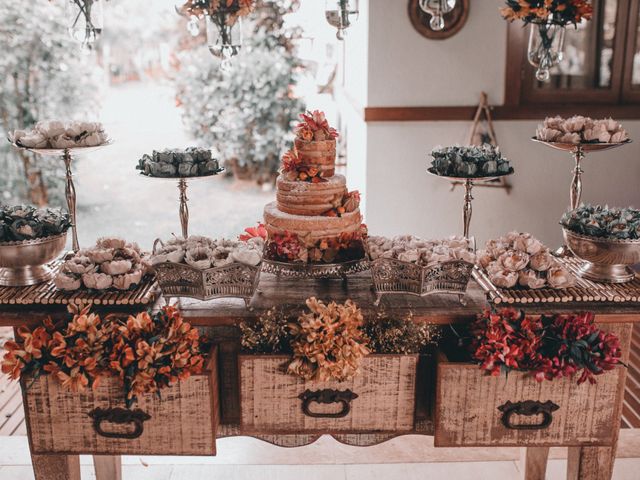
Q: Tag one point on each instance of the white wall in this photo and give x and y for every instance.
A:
(405, 69)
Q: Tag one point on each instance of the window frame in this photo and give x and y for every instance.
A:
(520, 79)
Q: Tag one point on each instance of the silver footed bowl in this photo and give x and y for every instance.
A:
(607, 260)
(25, 263)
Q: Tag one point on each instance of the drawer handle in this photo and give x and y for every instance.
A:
(327, 397)
(120, 416)
(528, 408)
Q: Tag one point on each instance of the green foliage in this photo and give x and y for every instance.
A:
(43, 74)
(246, 114)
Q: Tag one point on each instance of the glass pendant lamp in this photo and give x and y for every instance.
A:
(341, 14)
(437, 9)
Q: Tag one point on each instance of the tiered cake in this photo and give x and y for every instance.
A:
(314, 219)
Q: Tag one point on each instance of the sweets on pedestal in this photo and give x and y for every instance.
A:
(314, 218)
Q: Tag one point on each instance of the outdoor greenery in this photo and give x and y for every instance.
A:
(246, 114)
(43, 75)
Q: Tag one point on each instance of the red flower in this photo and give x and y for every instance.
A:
(254, 232)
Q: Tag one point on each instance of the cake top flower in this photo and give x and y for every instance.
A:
(561, 12)
(314, 126)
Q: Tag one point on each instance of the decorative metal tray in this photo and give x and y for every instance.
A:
(393, 276)
(315, 271)
(234, 280)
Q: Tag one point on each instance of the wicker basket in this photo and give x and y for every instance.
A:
(380, 398)
(183, 420)
(393, 276)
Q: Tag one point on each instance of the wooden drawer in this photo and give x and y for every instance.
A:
(473, 409)
(380, 398)
(182, 422)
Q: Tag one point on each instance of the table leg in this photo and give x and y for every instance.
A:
(533, 462)
(590, 463)
(107, 467)
(56, 467)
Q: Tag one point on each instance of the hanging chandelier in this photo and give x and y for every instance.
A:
(341, 14)
(85, 19)
(223, 20)
(437, 9)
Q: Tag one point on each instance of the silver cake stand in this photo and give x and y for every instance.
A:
(315, 271)
(183, 210)
(578, 152)
(67, 155)
(468, 183)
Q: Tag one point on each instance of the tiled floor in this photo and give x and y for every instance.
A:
(248, 459)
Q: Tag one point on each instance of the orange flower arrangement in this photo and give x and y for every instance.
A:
(314, 126)
(294, 169)
(146, 352)
(562, 12)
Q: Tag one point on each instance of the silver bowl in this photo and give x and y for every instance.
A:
(607, 260)
(25, 263)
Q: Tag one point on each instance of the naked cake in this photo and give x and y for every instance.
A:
(314, 218)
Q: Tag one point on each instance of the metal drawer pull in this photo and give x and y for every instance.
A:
(119, 416)
(528, 408)
(327, 397)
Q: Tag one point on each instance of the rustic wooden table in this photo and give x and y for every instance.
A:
(221, 317)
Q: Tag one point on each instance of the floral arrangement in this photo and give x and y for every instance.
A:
(408, 248)
(294, 169)
(328, 342)
(269, 334)
(289, 247)
(112, 263)
(152, 352)
(204, 253)
(254, 232)
(272, 333)
(520, 259)
(231, 9)
(192, 162)
(315, 127)
(561, 12)
(146, 352)
(24, 222)
(549, 346)
(350, 203)
(56, 134)
(401, 336)
(579, 129)
(604, 222)
(469, 162)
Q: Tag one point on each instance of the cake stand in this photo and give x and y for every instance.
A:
(183, 210)
(468, 183)
(315, 271)
(67, 155)
(578, 152)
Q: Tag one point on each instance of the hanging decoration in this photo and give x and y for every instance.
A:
(437, 9)
(85, 19)
(223, 19)
(548, 20)
(341, 14)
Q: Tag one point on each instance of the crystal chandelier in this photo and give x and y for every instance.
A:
(341, 14)
(437, 9)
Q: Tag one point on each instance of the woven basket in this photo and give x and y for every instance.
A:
(183, 420)
(380, 398)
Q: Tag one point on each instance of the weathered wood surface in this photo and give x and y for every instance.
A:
(183, 422)
(107, 468)
(533, 463)
(386, 389)
(467, 404)
(289, 296)
(56, 467)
